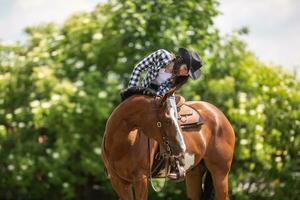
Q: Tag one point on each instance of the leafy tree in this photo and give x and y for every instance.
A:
(58, 89)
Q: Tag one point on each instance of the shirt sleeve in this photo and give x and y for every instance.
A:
(164, 87)
(163, 58)
(159, 58)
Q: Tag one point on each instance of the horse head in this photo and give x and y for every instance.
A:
(156, 117)
(167, 124)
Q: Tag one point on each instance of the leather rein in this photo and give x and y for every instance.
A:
(166, 155)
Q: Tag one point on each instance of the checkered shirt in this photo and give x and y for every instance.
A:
(152, 63)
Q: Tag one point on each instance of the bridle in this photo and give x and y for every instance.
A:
(159, 125)
(166, 156)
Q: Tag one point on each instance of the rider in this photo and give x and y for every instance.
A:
(165, 70)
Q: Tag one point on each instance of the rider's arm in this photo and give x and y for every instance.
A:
(157, 59)
(164, 87)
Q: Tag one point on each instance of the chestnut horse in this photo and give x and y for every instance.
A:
(125, 149)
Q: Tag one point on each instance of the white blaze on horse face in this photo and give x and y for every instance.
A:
(179, 137)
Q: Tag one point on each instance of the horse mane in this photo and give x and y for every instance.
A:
(128, 92)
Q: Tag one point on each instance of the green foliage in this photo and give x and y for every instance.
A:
(58, 89)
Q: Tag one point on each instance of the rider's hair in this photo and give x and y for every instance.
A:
(178, 61)
(179, 80)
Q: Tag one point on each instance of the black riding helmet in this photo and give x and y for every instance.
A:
(193, 62)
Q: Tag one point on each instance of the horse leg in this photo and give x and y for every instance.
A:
(122, 188)
(220, 180)
(141, 189)
(193, 181)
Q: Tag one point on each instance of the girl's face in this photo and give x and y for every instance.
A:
(183, 70)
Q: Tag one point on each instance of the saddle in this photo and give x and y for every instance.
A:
(188, 117)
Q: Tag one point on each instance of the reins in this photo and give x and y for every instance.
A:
(166, 156)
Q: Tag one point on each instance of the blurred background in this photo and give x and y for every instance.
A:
(63, 63)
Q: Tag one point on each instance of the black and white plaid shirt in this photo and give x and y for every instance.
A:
(153, 63)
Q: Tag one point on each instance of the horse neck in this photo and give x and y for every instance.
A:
(126, 117)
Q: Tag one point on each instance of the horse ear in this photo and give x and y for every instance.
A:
(167, 94)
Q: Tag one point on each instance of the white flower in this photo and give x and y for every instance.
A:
(11, 156)
(70, 61)
(123, 60)
(14, 124)
(273, 101)
(19, 178)
(48, 151)
(243, 97)
(55, 97)
(18, 111)
(97, 151)
(55, 155)
(93, 68)
(244, 141)
(79, 64)
(35, 103)
(242, 111)
(260, 108)
(35, 59)
(265, 88)
(78, 110)
(2, 129)
(21, 124)
(243, 130)
(138, 46)
(96, 187)
(50, 174)
(65, 185)
(102, 94)
(259, 128)
(11, 167)
(9, 116)
(252, 112)
(82, 93)
(30, 162)
(278, 159)
(97, 36)
(59, 37)
(258, 146)
(292, 132)
(46, 105)
(54, 53)
(76, 135)
(86, 20)
(24, 167)
(79, 83)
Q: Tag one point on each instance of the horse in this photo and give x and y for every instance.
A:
(128, 158)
